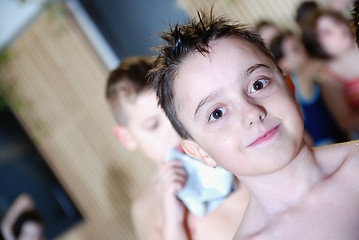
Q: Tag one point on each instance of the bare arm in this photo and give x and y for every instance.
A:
(334, 97)
(22, 203)
(172, 178)
(145, 221)
(168, 210)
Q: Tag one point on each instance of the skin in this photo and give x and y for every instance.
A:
(149, 131)
(242, 116)
(147, 128)
(31, 231)
(240, 107)
(268, 33)
(334, 36)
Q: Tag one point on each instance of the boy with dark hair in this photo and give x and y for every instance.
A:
(225, 95)
(141, 124)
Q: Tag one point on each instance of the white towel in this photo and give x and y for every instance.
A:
(206, 187)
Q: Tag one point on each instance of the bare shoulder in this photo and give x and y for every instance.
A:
(338, 156)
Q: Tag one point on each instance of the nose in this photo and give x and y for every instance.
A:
(253, 113)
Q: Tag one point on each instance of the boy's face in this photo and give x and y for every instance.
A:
(238, 109)
(148, 127)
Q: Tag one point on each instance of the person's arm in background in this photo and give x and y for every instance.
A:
(22, 203)
(334, 97)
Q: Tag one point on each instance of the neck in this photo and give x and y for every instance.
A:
(349, 51)
(285, 188)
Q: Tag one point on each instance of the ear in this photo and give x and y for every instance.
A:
(290, 84)
(125, 137)
(195, 151)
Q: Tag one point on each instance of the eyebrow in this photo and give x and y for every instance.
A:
(253, 68)
(206, 100)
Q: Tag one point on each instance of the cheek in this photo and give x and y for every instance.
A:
(153, 150)
(224, 149)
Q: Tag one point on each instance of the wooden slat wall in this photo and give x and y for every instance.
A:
(55, 83)
(250, 12)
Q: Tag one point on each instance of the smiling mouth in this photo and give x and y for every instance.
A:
(267, 136)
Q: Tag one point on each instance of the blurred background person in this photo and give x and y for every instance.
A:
(267, 30)
(22, 221)
(328, 35)
(303, 11)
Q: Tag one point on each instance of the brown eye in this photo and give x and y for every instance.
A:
(258, 85)
(217, 114)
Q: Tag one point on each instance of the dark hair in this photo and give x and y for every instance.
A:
(276, 45)
(355, 14)
(264, 23)
(27, 216)
(304, 10)
(181, 40)
(127, 80)
(310, 36)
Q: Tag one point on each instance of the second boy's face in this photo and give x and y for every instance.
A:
(237, 107)
(150, 128)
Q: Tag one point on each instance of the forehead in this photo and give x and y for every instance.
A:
(224, 54)
(227, 57)
(142, 106)
(326, 21)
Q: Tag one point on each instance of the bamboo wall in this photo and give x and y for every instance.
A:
(55, 83)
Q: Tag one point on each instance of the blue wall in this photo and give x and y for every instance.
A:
(131, 26)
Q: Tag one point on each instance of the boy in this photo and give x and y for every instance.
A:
(225, 96)
(157, 212)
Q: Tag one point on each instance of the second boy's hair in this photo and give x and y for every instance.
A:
(195, 36)
(126, 82)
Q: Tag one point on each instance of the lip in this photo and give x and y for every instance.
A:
(265, 137)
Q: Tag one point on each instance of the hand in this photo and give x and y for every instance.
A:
(171, 178)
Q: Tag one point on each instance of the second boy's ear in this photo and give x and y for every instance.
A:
(195, 151)
(125, 137)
